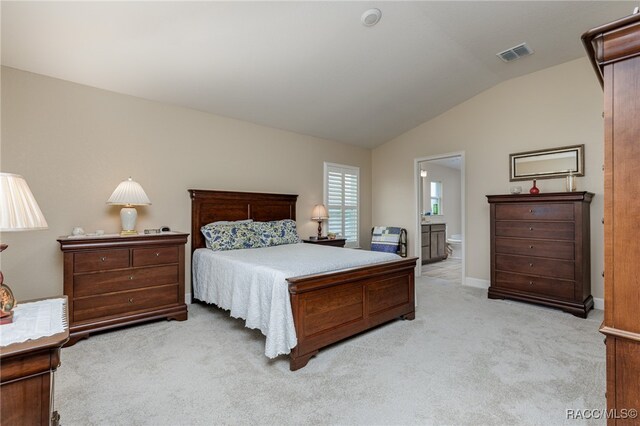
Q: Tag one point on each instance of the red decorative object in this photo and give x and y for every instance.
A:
(8, 319)
(534, 189)
(7, 300)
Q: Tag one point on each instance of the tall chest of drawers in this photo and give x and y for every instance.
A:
(540, 250)
(116, 281)
(614, 50)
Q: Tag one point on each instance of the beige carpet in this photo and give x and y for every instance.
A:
(465, 359)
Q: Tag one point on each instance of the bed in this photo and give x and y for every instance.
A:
(326, 307)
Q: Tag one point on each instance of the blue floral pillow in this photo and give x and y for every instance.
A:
(277, 232)
(230, 236)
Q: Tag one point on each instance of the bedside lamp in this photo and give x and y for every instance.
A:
(319, 213)
(129, 194)
(19, 211)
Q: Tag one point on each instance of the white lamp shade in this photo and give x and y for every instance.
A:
(319, 212)
(129, 193)
(19, 210)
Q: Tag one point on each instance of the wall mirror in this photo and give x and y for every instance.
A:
(547, 163)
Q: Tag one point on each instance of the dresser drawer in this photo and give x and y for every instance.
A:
(101, 260)
(548, 230)
(564, 250)
(108, 282)
(155, 256)
(550, 211)
(536, 266)
(123, 302)
(537, 285)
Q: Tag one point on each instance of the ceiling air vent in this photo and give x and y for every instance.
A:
(515, 52)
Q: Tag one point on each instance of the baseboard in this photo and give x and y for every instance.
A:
(187, 298)
(598, 303)
(477, 282)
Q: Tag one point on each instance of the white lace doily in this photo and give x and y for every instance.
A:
(34, 320)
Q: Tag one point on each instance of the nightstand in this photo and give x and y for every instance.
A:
(336, 242)
(26, 392)
(114, 280)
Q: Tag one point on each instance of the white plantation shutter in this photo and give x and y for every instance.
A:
(342, 200)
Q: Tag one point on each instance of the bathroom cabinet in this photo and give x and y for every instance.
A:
(434, 243)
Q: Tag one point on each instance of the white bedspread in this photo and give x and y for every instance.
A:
(251, 283)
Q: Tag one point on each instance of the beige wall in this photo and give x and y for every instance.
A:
(74, 144)
(555, 107)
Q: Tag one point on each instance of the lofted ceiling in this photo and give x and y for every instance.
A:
(307, 67)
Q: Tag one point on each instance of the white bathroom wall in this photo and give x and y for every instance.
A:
(451, 200)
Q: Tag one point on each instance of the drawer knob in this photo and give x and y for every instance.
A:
(531, 265)
(531, 228)
(530, 282)
(157, 254)
(131, 300)
(530, 247)
(103, 259)
(530, 210)
(130, 277)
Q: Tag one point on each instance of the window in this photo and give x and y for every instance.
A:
(342, 198)
(436, 197)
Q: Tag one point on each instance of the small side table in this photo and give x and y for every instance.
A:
(336, 242)
(26, 388)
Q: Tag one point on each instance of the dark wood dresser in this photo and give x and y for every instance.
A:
(27, 376)
(614, 50)
(433, 242)
(540, 250)
(113, 281)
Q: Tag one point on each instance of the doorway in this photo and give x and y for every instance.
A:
(440, 217)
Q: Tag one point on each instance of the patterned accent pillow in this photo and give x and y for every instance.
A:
(277, 232)
(231, 236)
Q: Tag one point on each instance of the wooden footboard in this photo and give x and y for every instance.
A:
(332, 306)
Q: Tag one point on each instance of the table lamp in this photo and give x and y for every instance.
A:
(319, 213)
(129, 194)
(19, 211)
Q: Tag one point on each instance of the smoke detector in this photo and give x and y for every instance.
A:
(371, 17)
(516, 52)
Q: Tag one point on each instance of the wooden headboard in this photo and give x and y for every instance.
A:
(213, 206)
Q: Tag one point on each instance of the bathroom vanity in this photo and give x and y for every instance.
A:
(434, 242)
